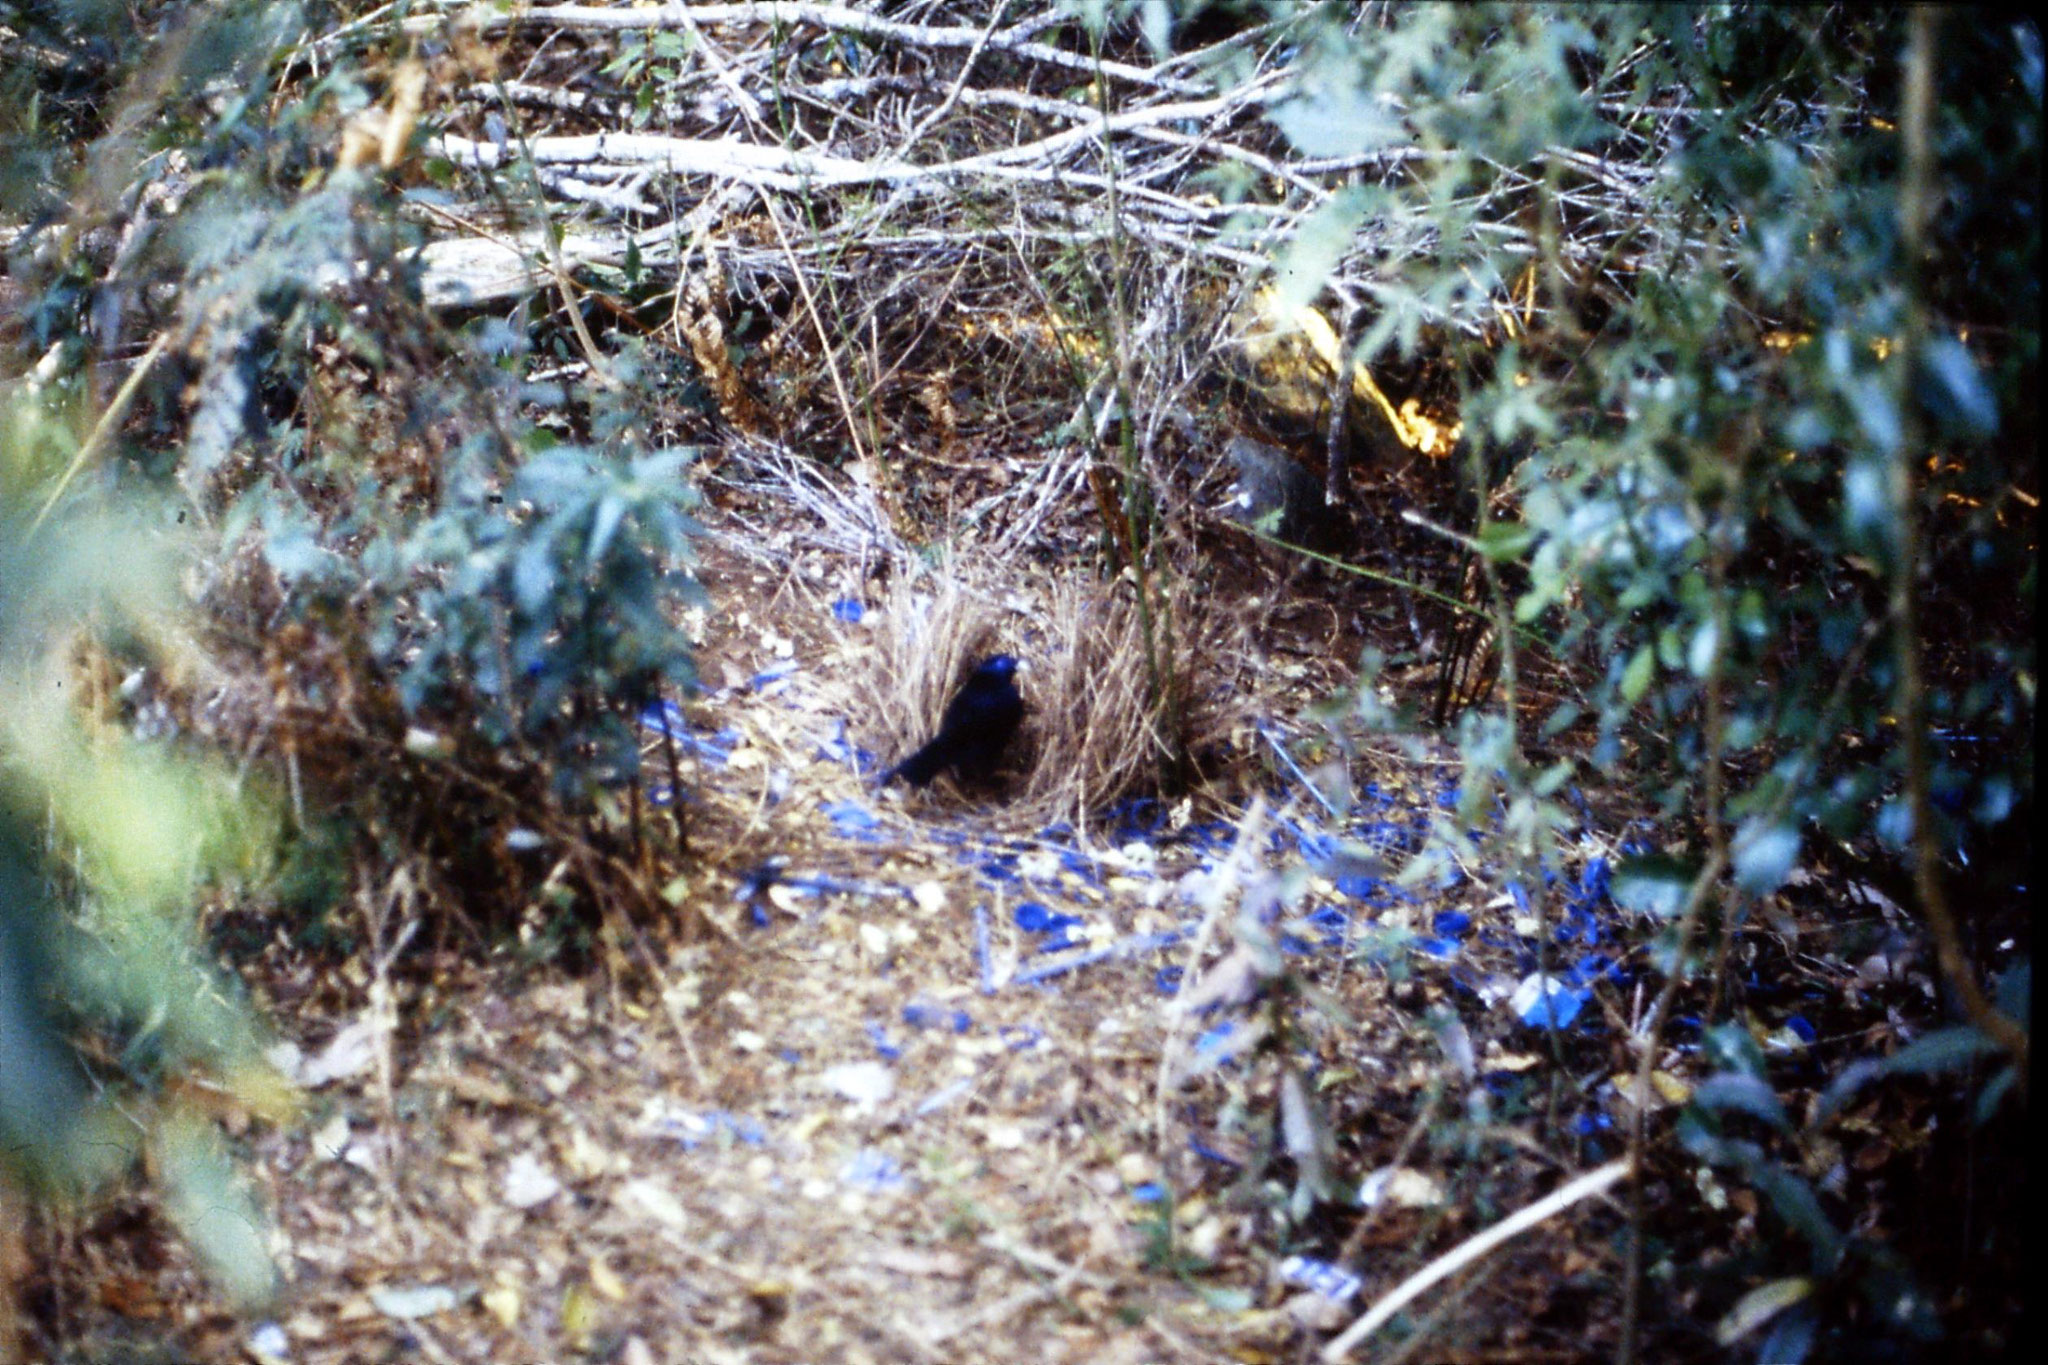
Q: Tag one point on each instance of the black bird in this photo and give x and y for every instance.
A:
(979, 721)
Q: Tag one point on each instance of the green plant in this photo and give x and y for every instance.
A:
(109, 1002)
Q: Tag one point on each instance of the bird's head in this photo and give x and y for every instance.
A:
(997, 667)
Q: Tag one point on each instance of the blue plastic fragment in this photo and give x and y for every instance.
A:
(921, 1014)
(1451, 923)
(880, 1038)
(944, 1096)
(1216, 1045)
(873, 1172)
(1034, 918)
(1128, 947)
(1208, 1153)
(1151, 1192)
(1167, 980)
(665, 715)
(851, 818)
(694, 1129)
(772, 674)
(1799, 1025)
(1555, 1006)
(848, 610)
(1333, 1282)
(1443, 949)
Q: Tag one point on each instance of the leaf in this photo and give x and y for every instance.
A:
(1635, 679)
(1791, 1340)
(1759, 1306)
(1764, 855)
(1326, 119)
(1946, 1049)
(1958, 397)
(1320, 243)
(1748, 1094)
(1653, 884)
(213, 1211)
(611, 510)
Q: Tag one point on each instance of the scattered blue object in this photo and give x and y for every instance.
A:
(921, 1014)
(1208, 1153)
(1151, 1192)
(1167, 980)
(1217, 1045)
(1333, 1282)
(880, 1038)
(1799, 1026)
(873, 1172)
(852, 819)
(1127, 947)
(774, 673)
(1034, 918)
(1020, 1036)
(664, 716)
(1548, 1002)
(692, 1130)
(848, 610)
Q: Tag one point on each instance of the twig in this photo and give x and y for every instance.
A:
(1470, 1250)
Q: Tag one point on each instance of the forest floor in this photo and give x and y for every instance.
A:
(920, 1090)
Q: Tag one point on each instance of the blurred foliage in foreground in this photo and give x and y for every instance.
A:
(118, 1038)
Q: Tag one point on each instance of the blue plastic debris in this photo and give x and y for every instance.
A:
(1127, 947)
(848, 610)
(664, 716)
(1151, 1192)
(692, 1130)
(1333, 1282)
(1218, 1044)
(1546, 1001)
(852, 819)
(1208, 1153)
(921, 1014)
(880, 1038)
(944, 1096)
(1034, 918)
(1020, 1036)
(1800, 1027)
(1167, 980)
(774, 673)
(873, 1172)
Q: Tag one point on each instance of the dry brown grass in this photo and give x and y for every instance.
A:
(1094, 730)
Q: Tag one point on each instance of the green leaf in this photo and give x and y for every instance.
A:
(1764, 855)
(213, 1210)
(1945, 1049)
(1319, 244)
(1750, 1095)
(1653, 884)
(1635, 679)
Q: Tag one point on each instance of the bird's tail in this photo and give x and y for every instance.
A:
(919, 769)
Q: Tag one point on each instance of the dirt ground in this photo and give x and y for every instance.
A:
(906, 1080)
